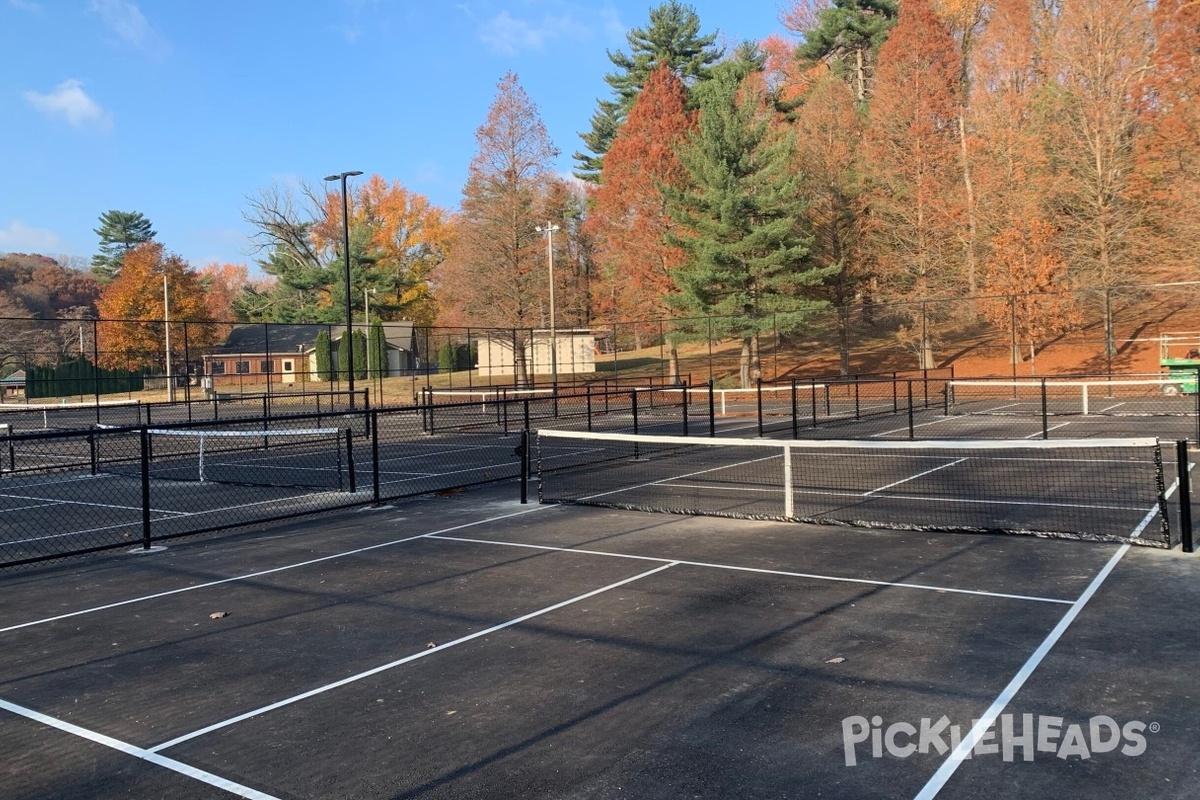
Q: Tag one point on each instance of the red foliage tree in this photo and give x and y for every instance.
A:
(912, 150)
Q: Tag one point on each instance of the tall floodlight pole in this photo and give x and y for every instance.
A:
(167, 328)
(549, 230)
(346, 278)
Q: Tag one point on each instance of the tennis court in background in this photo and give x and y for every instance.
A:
(469, 646)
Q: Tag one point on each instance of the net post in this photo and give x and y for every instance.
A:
(373, 418)
(795, 413)
(1085, 398)
(554, 397)
(712, 410)
(525, 413)
(1185, 495)
(144, 435)
(524, 452)
(350, 459)
(337, 448)
(758, 401)
(896, 394)
(91, 452)
(588, 393)
(911, 427)
(857, 404)
(684, 390)
(789, 506)
(925, 385)
(633, 403)
(1045, 413)
(429, 394)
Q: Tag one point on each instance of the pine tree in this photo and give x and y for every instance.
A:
(119, 232)
(377, 354)
(849, 34)
(747, 256)
(324, 356)
(672, 39)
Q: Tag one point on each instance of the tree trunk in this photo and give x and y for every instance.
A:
(755, 361)
(844, 340)
(672, 362)
(745, 362)
(969, 187)
(520, 368)
(859, 75)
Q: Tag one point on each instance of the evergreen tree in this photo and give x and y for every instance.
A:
(119, 232)
(324, 356)
(358, 340)
(377, 350)
(446, 357)
(343, 357)
(747, 255)
(849, 34)
(672, 38)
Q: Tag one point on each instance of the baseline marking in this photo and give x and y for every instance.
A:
(138, 752)
(407, 659)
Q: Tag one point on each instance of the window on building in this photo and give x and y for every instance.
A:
(241, 367)
(264, 367)
(288, 366)
(216, 368)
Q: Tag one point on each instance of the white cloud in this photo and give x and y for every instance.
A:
(508, 35)
(70, 101)
(126, 21)
(25, 5)
(614, 29)
(17, 237)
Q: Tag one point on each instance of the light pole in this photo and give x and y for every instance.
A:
(346, 278)
(549, 230)
(167, 329)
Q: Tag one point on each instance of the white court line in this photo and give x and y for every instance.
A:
(972, 500)
(138, 752)
(60, 501)
(271, 571)
(914, 477)
(1110, 408)
(757, 570)
(407, 659)
(955, 759)
(678, 477)
(905, 428)
(1051, 428)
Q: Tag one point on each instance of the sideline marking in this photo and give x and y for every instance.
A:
(955, 759)
(758, 570)
(407, 659)
(260, 573)
(138, 752)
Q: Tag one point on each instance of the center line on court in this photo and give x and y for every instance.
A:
(914, 477)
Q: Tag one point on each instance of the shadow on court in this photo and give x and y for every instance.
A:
(468, 646)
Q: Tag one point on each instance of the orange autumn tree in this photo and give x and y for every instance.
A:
(397, 239)
(1167, 179)
(1027, 276)
(912, 150)
(628, 223)
(132, 334)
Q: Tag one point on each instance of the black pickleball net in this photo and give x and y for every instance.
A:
(1097, 489)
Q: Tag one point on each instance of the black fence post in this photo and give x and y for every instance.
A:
(1198, 406)
(758, 401)
(857, 404)
(684, 389)
(588, 393)
(145, 442)
(712, 410)
(350, 460)
(1185, 495)
(1045, 413)
(795, 413)
(91, 452)
(896, 395)
(374, 428)
(633, 403)
(524, 452)
(911, 432)
(813, 385)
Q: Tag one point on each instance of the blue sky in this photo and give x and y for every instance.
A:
(180, 110)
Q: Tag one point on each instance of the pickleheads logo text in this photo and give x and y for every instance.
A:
(1007, 735)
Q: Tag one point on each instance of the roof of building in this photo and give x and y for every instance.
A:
(16, 377)
(274, 338)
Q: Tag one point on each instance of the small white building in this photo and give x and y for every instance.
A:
(575, 352)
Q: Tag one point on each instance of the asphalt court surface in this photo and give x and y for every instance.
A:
(469, 646)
